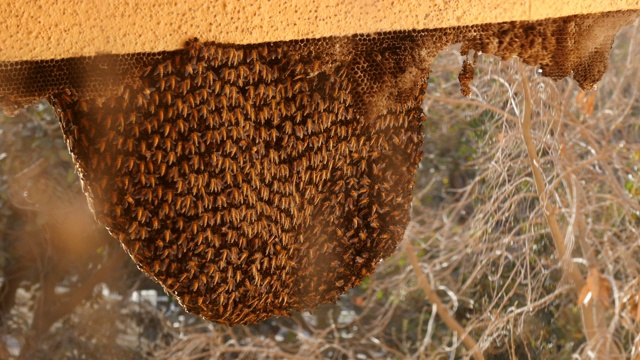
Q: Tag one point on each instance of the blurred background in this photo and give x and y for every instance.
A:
(482, 232)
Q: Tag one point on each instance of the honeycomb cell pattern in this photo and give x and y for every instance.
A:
(254, 180)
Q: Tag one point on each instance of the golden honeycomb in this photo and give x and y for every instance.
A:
(254, 180)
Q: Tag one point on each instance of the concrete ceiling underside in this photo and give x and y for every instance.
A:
(69, 28)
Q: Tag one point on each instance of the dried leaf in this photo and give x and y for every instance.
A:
(631, 305)
(586, 102)
(597, 287)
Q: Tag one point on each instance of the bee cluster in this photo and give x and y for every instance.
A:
(249, 180)
(253, 180)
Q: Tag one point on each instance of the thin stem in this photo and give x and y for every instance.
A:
(442, 310)
(593, 312)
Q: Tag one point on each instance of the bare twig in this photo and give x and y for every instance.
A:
(593, 312)
(442, 310)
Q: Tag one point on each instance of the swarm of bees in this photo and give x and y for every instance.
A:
(253, 180)
(247, 180)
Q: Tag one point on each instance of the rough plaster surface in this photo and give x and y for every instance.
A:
(67, 28)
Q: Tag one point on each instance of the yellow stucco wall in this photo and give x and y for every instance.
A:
(36, 29)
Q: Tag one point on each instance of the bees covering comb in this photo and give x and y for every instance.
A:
(253, 180)
(250, 180)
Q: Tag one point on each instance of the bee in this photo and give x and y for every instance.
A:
(146, 71)
(159, 70)
(216, 240)
(180, 222)
(180, 185)
(224, 253)
(135, 248)
(163, 169)
(128, 199)
(144, 232)
(162, 84)
(243, 71)
(171, 157)
(243, 257)
(139, 213)
(155, 99)
(165, 264)
(254, 272)
(188, 70)
(233, 57)
(204, 113)
(142, 166)
(253, 55)
(185, 86)
(173, 266)
(184, 167)
(171, 82)
(140, 101)
(181, 279)
(151, 179)
(263, 50)
(217, 53)
(216, 87)
(210, 269)
(167, 236)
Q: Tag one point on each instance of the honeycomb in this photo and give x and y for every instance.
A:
(255, 180)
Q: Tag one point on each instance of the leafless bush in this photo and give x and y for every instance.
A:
(551, 244)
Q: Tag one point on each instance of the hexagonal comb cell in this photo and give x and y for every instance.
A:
(253, 180)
